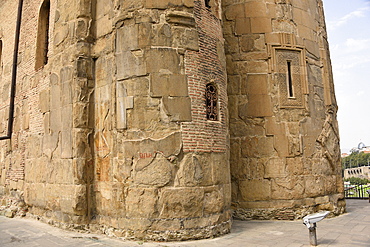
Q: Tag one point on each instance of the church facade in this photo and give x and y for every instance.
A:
(162, 120)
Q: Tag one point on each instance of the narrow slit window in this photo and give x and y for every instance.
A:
(42, 47)
(290, 80)
(207, 3)
(211, 102)
(1, 51)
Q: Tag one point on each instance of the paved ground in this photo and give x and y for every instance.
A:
(351, 229)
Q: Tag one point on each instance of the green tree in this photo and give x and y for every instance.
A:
(356, 159)
(354, 180)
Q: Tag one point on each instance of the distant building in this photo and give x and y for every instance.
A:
(361, 147)
(357, 172)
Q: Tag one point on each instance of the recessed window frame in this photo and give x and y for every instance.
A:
(42, 45)
(279, 55)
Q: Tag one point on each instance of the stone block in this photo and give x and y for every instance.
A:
(66, 144)
(181, 203)
(166, 225)
(255, 190)
(242, 26)
(261, 25)
(124, 102)
(85, 68)
(254, 84)
(259, 105)
(314, 186)
(287, 188)
(161, 35)
(122, 169)
(272, 38)
(50, 144)
(157, 174)
(233, 84)
(252, 43)
(127, 38)
(221, 169)
(235, 11)
(66, 93)
(130, 64)
(137, 86)
(44, 99)
(178, 108)
(295, 166)
(134, 224)
(257, 147)
(81, 146)
(194, 171)
(163, 60)
(255, 9)
(213, 201)
(168, 85)
(185, 38)
(180, 18)
(55, 94)
(281, 145)
(80, 115)
(273, 127)
(312, 47)
(275, 168)
(80, 170)
(200, 222)
(34, 194)
(145, 34)
(141, 203)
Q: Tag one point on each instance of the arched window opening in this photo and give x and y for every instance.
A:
(211, 102)
(42, 46)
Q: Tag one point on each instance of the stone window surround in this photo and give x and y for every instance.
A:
(273, 50)
(42, 48)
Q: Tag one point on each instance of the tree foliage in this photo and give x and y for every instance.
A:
(354, 180)
(356, 159)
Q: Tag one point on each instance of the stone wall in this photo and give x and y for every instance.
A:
(113, 133)
(49, 149)
(285, 157)
(161, 169)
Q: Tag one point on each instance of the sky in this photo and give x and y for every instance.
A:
(348, 27)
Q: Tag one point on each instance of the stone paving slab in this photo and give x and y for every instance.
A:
(351, 229)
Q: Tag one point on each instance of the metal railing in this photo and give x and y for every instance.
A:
(357, 191)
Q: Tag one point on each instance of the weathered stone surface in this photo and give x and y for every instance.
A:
(157, 173)
(168, 85)
(141, 203)
(181, 203)
(45, 101)
(178, 108)
(115, 115)
(255, 189)
(194, 171)
(130, 64)
(157, 61)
